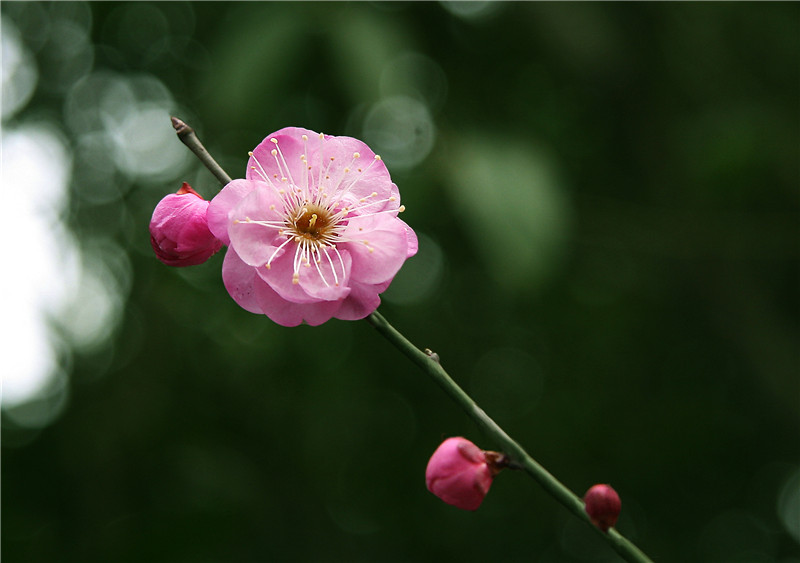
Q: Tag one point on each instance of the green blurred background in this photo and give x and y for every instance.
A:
(607, 202)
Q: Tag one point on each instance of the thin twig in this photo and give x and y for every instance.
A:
(189, 138)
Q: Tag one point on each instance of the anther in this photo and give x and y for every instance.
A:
(274, 140)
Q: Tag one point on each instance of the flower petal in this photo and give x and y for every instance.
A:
(328, 276)
(379, 249)
(362, 300)
(411, 238)
(280, 276)
(223, 203)
(287, 164)
(286, 313)
(255, 242)
(360, 176)
(240, 280)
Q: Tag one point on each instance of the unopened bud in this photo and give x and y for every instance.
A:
(602, 506)
(460, 473)
(179, 229)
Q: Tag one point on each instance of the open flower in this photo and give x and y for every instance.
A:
(179, 230)
(460, 473)
(312, 230)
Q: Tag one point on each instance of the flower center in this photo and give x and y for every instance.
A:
(313, 223)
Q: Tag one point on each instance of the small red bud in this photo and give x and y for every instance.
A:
(602, 506)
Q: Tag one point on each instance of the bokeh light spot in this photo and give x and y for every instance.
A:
(401, 130)
(35, 168)
(789, 505)
(416, 76)
(20, 74)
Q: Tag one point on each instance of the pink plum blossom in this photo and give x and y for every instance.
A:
(179, 229)
(459, 473)
(312, 230)
(603, 506)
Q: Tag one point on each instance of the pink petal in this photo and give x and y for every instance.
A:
(461, 489)
(255, 243)
(361, 176)
(223, 203)
(363, 300)
(279, 277)
(333, 166)
(287, 163)
(379, 250)
(411, 238)
(325, 286)
(240, 280)
(286, 313)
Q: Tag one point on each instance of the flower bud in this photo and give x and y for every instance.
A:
(602, 506)
(460, 473)
(179, 229)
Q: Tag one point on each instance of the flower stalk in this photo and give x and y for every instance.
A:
(519, 457)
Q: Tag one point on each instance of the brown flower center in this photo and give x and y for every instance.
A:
(313, 223)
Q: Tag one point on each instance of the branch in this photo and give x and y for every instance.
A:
(188, 137)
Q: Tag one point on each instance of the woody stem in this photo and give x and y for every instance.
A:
(189, 138)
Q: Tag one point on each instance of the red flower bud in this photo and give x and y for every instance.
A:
(460, 473)
(179, 229)
(602, 506)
